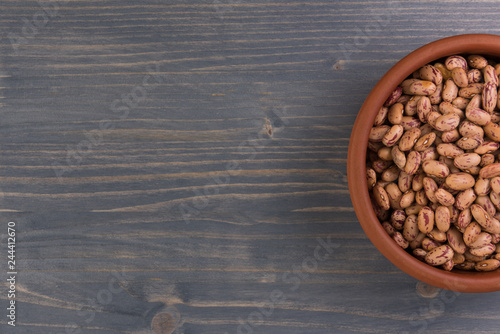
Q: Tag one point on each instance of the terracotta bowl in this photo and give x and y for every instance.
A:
(456, 280)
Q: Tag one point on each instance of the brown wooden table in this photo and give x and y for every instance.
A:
(180, 167)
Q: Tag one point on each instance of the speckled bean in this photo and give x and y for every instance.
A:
(490, 75)
(437, 235)
(480, 215)
(407, 199)
(436, 168)
(423, 108)
(444, 71)
(490, 171)
(450, 90)
(394, 195)
(398, 218)
(425, 220)
(377, 133)
(392, 136)
(421, 198)
(494, 227)
(492, 131)
(418, 182)
(482, 186)
(444, 197)
(456, 241)
(380, 165)
(417, 243)
(495, 199)
(411, 105)
(419, 87)
(400, 240)
(470, 90)
(384, 153)
(495, 184)
(475, 102)
(469, 143)
(474, 76)
(447, 122)
(381, 197)
(396, 93)
(477, 61)
(478, 116)
(467, 160)
(430, 154)
(405, 181)
(485, 202)
(487, 159)
(410, 228)
(471, 233)
(466, 265)
(371, 178)
(412, 162)
(469, 129)
(419, 253)
(388, 228)
(464, 219)
(471, 257)
(436, 97)
(449, 150)
(381, 116)
(489, 97)
(425, 142)
(439, 255)
(449, 108)
(458, 258)
(390, 174)
(460, 103)
(482, 240)
(395, 113)
(431, 73)
(408, 139)
(430, 187)
(442, 217)
(428, 244)
(459, 76)
(450, 136)
(487, 147)
(487, 265)
(483, 251)
(455, 61)
(409, 122)
(460, 181)
(465, 198)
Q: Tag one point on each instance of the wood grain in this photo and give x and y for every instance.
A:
(202, 208)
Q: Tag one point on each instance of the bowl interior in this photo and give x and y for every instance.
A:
(456, 280)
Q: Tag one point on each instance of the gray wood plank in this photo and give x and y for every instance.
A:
(202, 195)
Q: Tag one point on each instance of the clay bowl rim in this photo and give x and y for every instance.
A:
(456, 280)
